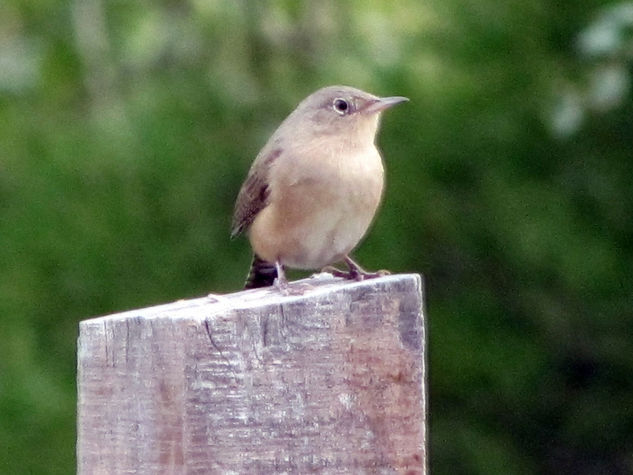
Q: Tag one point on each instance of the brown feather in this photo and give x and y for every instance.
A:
(253, 196)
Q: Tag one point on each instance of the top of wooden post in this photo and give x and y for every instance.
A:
(312, 289)
(329, 381)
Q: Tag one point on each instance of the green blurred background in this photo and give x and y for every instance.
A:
(126, 129)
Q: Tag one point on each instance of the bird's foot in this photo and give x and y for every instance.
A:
(217, 298)
(337, 272)
(355, 272)
(281, 285)
(286, 289)
(364, 275)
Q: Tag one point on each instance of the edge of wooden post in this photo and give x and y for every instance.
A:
(333, 379)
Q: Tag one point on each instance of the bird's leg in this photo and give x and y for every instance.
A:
(336, 272)
(356, 272)
(280, 283)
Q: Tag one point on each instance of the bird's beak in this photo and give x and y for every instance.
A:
(383, 103)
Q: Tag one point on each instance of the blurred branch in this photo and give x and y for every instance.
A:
(606, 47)
(93, 46)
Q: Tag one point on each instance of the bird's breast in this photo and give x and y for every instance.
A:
(333, 184)
(320, 206)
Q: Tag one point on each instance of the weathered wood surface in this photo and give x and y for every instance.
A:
(331, 381)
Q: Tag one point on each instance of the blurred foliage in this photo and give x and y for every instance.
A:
(126, 129)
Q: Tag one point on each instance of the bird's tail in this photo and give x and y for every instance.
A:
(262, 274)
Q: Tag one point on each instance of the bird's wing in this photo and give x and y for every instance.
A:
(253, 196)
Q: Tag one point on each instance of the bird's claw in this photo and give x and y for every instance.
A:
(355, 273)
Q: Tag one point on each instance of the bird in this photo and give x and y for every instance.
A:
(314, 188)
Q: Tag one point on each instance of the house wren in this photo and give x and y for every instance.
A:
(314, 188)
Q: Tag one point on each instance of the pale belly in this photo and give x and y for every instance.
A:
(311, 225)
(328, 235)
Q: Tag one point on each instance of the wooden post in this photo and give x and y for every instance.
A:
(331, 381)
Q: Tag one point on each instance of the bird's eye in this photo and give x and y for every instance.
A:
(341, 106)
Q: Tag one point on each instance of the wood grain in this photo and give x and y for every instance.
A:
(331, 381)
